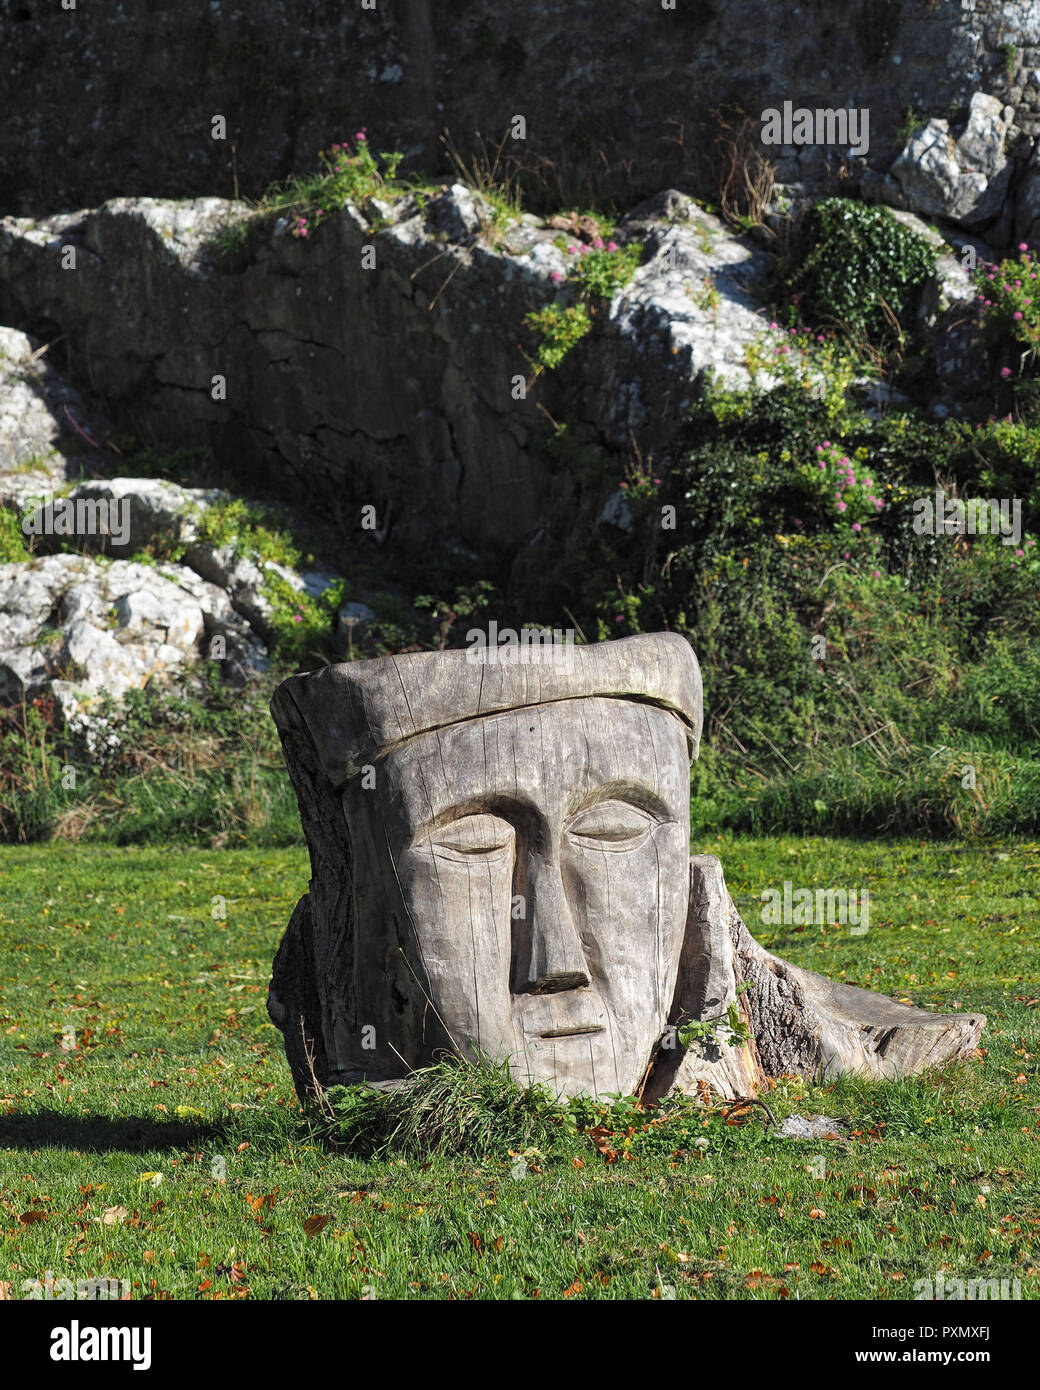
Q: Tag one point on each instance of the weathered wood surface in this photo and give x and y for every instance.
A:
(799, 1023)
(499, 862)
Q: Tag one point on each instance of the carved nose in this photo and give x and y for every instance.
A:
(555, 960)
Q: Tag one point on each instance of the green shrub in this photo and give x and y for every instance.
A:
(1009, 301)
(855, 672)
(857, 266)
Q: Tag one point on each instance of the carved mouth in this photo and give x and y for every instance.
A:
(581, 1031)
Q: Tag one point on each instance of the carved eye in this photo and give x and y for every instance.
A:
(470, 837)
(612, 825)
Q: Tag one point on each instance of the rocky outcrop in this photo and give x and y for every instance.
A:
(68, 624)
(394, 386)
(963, 179)
(75, 626)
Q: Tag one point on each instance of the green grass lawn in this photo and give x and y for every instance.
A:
(149, 1131)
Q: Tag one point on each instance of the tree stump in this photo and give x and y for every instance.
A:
(499, 865)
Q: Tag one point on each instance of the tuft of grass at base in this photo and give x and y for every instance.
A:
(452, 1106)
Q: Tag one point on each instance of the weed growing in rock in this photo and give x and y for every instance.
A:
(596, 275)
(820, 364)
(349, 174)
(559, 329)
(601, 270)
(485, 170)
(12, 538)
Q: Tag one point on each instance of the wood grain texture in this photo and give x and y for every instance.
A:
(499, 864)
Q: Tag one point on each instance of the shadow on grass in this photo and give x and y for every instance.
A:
(44, 1129)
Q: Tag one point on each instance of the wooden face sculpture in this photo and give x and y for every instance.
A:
(500, 865)
(513, 867)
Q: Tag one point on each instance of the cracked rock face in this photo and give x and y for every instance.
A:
(393, 386)
(41, 419)
(396, 386)
(410, 71)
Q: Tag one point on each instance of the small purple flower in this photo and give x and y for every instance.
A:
(556, 276)
(1005, 372)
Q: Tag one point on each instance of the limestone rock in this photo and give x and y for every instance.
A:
(397, 386)
(127, 515)
(964, 178)
(41, 417)
(948, 311)
(104, 628)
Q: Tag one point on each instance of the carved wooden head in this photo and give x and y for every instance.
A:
(509, 846)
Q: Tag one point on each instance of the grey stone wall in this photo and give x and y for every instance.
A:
(117, 99)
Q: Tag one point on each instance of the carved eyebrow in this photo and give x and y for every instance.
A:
(633, 793)
(519, 814)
